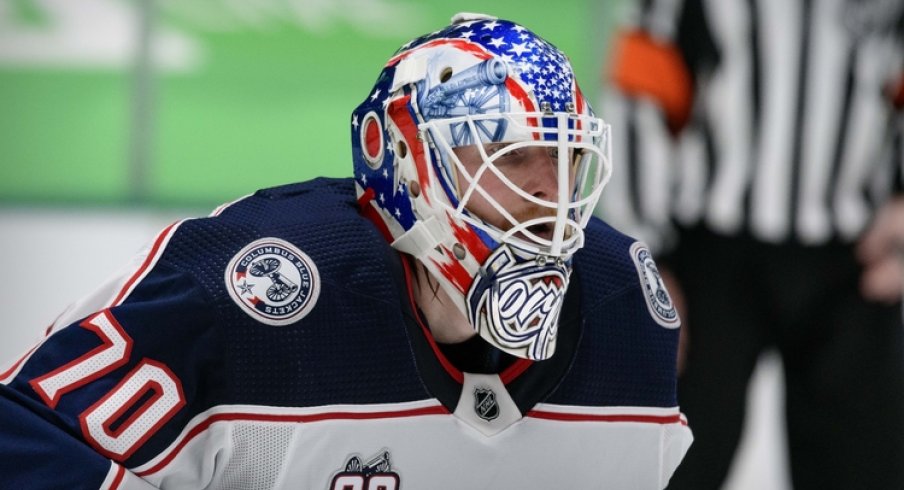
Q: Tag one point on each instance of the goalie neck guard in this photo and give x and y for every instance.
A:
(482, 159)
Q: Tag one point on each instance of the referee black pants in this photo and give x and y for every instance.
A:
(843, 361)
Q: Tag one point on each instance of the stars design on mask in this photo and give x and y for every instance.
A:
(535, 61)
(542, 69)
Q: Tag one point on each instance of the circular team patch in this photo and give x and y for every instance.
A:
(659, 302)
(273, 281)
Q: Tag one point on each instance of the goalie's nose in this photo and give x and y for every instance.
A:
(542, 176)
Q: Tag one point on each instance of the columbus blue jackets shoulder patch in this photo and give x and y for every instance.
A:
(658, 300)
(273, 281)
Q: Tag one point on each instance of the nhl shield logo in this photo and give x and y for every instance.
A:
(485, 404)
(273, 281)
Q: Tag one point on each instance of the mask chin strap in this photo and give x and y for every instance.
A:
(421, 238)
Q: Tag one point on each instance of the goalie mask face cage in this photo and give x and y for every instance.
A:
(480, 157)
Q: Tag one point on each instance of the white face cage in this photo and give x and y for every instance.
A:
(581, 146)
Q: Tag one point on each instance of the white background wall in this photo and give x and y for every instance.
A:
(50, 258)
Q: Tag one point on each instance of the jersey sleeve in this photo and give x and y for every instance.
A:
(39, 453)
(628, 349)
(629, 342)
(109, 383)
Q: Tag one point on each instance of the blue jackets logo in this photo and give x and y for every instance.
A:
(374, 474)
(515, 303)
(660, 304)
(273, 281)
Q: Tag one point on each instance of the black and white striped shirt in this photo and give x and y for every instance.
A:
(792, 130)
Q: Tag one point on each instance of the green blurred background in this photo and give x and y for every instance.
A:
(197, 102)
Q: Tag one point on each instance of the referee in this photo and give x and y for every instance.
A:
(759, 147)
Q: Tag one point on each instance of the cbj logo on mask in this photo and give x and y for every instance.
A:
(518, 303)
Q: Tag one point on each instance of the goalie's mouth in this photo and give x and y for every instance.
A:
(542, 230)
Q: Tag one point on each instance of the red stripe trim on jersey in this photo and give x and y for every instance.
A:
(152, 256)
(222, 207)
(10, 373)
(6, 375)
(288, 418)
(516, 369)
(591, 417)
(120, 476)
(452, 370)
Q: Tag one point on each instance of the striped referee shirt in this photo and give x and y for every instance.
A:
(777, 119)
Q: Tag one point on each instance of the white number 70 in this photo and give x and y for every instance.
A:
(116, 425)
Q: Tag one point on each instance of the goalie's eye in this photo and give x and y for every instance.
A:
(513, 157)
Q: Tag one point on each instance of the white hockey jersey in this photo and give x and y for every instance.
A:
(275, 345)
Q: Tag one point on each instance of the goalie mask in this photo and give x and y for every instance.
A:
(481, 158)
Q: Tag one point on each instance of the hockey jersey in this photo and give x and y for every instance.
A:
(275, 345)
